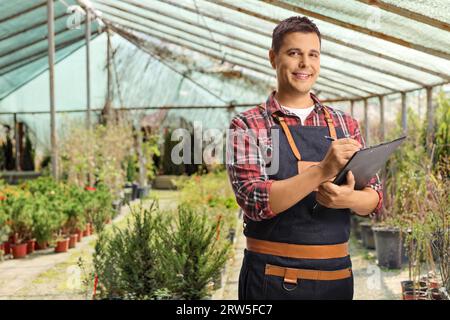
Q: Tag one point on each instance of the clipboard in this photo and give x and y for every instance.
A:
(365, 164)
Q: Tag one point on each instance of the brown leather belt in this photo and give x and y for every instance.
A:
(298, 251)
(291, 275)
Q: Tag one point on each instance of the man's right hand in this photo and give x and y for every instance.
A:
(338, 154)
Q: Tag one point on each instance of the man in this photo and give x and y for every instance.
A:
(296, 250)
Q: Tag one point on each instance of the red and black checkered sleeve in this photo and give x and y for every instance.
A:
(247, 173)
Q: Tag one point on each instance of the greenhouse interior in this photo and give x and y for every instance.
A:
(116, 181)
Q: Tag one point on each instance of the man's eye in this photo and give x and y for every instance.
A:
(315, 55)
(292, 53)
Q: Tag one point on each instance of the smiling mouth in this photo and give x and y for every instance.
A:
(302, 75)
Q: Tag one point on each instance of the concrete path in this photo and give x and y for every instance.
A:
(48, 275)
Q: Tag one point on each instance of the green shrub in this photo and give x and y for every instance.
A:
(97, 206)
(193, 253)
(46, 218)
(127, 262)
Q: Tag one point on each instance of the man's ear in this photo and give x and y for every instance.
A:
(272, 55)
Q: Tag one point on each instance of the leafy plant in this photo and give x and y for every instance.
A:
(4, 227)
(193, 253)
(98, 155)
(46, 220)
(126, 261)
(211, 193)
(442, 137)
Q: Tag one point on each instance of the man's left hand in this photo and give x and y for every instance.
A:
(333, 196)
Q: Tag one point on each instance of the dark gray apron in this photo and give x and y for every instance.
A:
(298, 225)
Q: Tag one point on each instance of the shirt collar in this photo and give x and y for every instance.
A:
(273, 106)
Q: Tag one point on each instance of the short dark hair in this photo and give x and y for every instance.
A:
(292, 24)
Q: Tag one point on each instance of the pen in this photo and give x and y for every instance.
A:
(332, 139)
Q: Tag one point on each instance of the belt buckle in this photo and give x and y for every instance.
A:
(289, 289)
(290, 277)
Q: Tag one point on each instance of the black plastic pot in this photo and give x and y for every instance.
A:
(388, 244)
(367, 235)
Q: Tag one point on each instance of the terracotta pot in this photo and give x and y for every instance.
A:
(31, 245)
(86, 232)
(73, 240)
(19, 250)
(62, 246)
(80, 235)
(41, 245)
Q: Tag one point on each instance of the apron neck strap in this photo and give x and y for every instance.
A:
(287, 132)
(330, 123)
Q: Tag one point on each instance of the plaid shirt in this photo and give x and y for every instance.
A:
(246, 164)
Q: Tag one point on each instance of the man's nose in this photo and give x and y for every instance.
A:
(302, 61)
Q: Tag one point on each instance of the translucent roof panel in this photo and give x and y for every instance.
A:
(429, 8)
(376, 20)
(24, 43)
(366, 50)
(240, 33)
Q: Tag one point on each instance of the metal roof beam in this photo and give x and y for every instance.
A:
(30, 44)
(29, 28)
(413, 15)
(16, 15)
(35, 56)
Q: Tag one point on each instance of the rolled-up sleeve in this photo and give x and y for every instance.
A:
(246, 167)
(374, 182)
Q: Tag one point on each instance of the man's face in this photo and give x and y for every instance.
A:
(297, 62)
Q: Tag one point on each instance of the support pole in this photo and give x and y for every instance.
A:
(419, 103)
(141, 157)
(88, 71)
(109, 92)
(366, 121)
(430, 117)
(382, 127)
(51, 65)
(352, 108)
(404, 114)
(17, 144)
